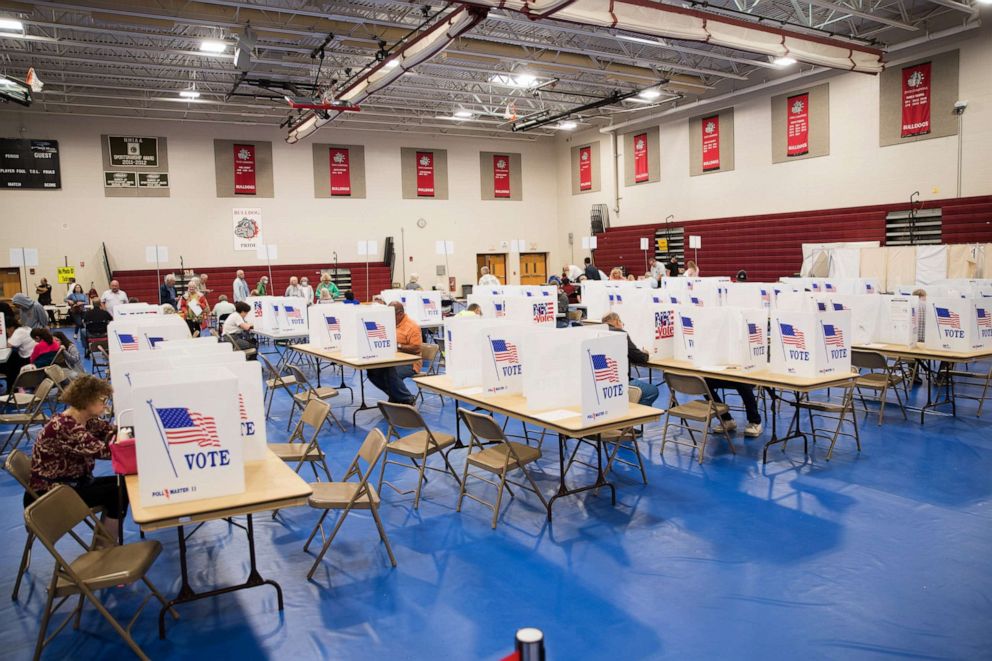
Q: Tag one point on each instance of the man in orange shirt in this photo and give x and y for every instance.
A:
(390, 379)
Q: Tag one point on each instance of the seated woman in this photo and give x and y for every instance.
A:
(72, 358)
(69, 445)
(21, 344)
(45, 347)
(76, 300)
(349, 298)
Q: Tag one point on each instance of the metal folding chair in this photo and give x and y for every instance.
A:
(299, 448)
(274, 380)
(880, 377)
(431, 355)
(305, 391)
(350, 494)
(31, 415)
(698, 410)
(836, 411)
(967, 381)
(417, 447)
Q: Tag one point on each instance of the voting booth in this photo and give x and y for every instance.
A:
(144, 333)
(187, 435)
(424, 307)
(293, 314)
(650, 325)
(368, 331)
(493, 307)
(462, 349)
(898, 321)
(529, 310)
(274, 314)
(703, 336)
(810, 344)
(501, 367)
(748, 338)
(604, 380)
(748, 294)
(958, 324)
(324, 324)
(135, 310)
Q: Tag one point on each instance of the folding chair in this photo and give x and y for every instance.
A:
(349, 495)
(832, 411)
(968, 379)
(103, 564)
(30, 416)
(22, 391)
(416, 446)
(301, 450)
(274, 380)
(881, 377)
(430, 353)
(698, 410)
(614, 440)
(490, 451)
(306, 392)
(99, 357)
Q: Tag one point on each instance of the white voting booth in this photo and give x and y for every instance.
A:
(274, 314)
(810, 344)
(958, 324)
(529, 310)
(717, 337)
(325, 324)
(368, 331)
(135, 310)
(188, 434)
(501, 368)
(144, 333)
(424, 307)
(650, 325)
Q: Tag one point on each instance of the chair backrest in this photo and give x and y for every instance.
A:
(61, 359)
(402, 416)
(870, 360)
(687, 384)
(315, 412)
(100, 345)
(575, 315)
(429, 353)
(372, 448)
(56, 374)
(482, 426)
(302, 382)
(55, 514)
(46, 359)
(633, 394)
(29, 379)
(18, 464)
(40, 395)
(270, 371)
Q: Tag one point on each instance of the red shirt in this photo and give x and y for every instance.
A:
(42, 347)
(65, 451)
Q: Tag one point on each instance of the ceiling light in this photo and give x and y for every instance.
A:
(638, 40)
(649, 94)
(189, 94)
(525, 80)
(567, 125)
(784, 61)
(213, 46)
(11, 25)
(464, 114)
(985, 2)
(507, 80)
(392, 64)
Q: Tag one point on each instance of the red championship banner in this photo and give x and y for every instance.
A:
(425, 174)
(244, 170)
(710, 127)
(501, 175)
(340, 171)
(916, 100)
(641, 157)
(797, 125)
(585, 168)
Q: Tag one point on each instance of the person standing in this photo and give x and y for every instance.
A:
(414, 284)
(30, 311)
(691, 270)
(591, 272)
(328, 286)
(167, 291)
(261, 287)
(307, 289)
(672, 266)
(294, 288)
(194, 309)
(408, 340)
(113, 296)
(241, 289)
(487, 279)
(44, 292)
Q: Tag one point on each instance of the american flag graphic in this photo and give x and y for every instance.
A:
(375, 331)
(696, 301)
(528, 293)
(242, 409)
(822, 307)
(688, 285)
(429, 304)
(839, 306)
(949, 318)
(754, 334)
(869, 288)
(184, 426)
(674, 300)
(983, 318)
(127, 341)
(294, 314)
(687, 328)
(504, 352)
(604, 368)
(792, 336)
(833, 336)
(499, 309)
(333, 325)
(152, 341)
(764, 297)
(829, 286)
(816, 287)
(258, 309)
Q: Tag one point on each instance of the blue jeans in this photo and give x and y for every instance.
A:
(649, 391)
(390, 381)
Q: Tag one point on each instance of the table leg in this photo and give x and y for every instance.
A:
(789, 433)
(563, 488)
(187, 593)
(362, 406)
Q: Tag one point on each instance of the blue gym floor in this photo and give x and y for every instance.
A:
(874, 555)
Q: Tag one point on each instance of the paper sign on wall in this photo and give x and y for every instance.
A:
(444, 247)
(157, 254)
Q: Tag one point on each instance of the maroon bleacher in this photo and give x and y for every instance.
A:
(770, 246)
(143, 284)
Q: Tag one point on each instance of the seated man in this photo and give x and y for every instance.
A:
(473, 310)
(635, 356)
(223, 309)
(390, 379)
(746, 391)
(95, 322)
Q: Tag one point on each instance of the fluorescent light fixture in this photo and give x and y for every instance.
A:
(784, 61)
(213, 46)
(649, 94)
(463, 114)
(189, 94)
(525, 80)
(985, 2)
(392, 64)
(567, 125)
(11, 25)
(638, 40)
(508, 80)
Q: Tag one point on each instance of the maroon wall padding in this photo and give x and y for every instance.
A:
(144, 285)
(770, 246)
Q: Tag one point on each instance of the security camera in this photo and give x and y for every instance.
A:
(959, 107)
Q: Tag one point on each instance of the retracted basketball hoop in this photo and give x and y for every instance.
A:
(306, 103)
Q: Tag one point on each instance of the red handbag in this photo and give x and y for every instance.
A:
(123, 457)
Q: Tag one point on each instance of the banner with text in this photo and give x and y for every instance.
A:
(425, 174)
(585, 168)
(340, 171)
(710, 127)
(244, 170)
(798, 125)
(916, 100)
(641, 172)
(501, 175)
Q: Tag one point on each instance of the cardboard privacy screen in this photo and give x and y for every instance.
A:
(368, 331)
(144, 333)
(325, 324)
(187, 434)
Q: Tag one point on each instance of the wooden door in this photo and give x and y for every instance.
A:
(496, 264)
(10, 281)
(533, 268)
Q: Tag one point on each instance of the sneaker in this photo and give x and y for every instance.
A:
(721, 426)
(753, 429)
